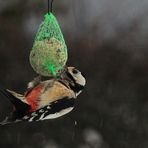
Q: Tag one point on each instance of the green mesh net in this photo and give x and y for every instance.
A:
(49, 53)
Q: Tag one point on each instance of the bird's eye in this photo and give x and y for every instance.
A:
(75, 71)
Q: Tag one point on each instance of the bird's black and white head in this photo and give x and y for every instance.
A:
(76, 79)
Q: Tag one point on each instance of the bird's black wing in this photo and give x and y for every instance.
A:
(51, 111)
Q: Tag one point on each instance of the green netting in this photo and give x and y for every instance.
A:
(49, 53)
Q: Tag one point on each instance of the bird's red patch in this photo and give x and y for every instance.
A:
(33, 96)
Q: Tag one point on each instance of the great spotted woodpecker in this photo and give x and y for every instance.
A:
(46, 99)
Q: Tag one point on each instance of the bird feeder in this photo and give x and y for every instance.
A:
(49, 52)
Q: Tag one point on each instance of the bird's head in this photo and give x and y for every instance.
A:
(75, 78)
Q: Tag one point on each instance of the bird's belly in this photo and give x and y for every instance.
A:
(54, 94)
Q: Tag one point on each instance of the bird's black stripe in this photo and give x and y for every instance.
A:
(71, 77)
(77, 88)
(63, 83)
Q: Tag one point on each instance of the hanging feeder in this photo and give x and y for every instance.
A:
(48, 56)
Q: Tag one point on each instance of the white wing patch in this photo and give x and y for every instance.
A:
(58, 114)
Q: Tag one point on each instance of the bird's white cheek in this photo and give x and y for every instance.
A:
(81, 81)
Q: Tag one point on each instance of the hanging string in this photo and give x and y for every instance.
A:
(50, 4)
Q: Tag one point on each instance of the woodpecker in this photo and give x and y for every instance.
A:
(46, 99)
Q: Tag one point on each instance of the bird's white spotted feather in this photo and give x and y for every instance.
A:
(58, 114)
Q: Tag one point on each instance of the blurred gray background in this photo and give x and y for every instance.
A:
(107, 41)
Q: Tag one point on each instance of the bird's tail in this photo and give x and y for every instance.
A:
(20, 107)
(9, 120)
(4, 92)
(6, 121)
(16, 99)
